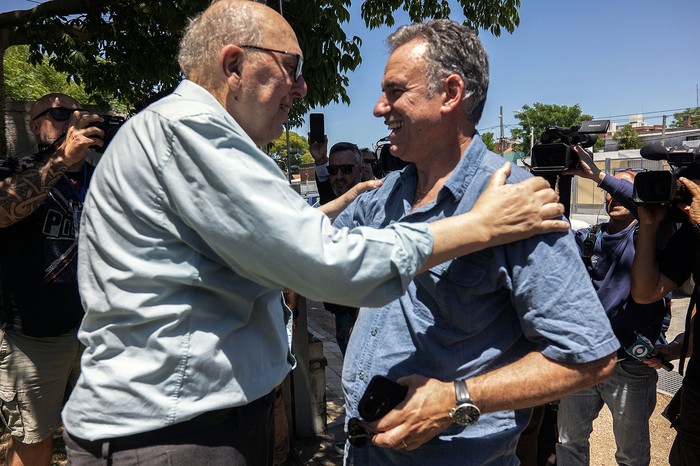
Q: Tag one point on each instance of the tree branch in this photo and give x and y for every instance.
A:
(13, 19)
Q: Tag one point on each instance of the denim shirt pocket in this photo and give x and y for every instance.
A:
(455, 288)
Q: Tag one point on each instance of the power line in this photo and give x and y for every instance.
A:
(613, 118)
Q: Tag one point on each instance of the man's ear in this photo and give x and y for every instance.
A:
(453, 92)
(34, 127)
(231, 60)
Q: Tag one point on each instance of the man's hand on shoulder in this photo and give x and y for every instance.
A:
(512, 212)
(333, 208)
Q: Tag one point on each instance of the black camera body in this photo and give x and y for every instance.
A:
(552, 154)
(664, 187)
(110, 126)
(387, 161)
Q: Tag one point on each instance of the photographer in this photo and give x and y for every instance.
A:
(41, 200)
(654, 275)
(608, 251)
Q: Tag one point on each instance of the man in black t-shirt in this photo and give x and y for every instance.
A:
(41, 198)
(653, 276)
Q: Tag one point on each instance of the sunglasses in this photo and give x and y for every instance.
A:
(57, 113)
(297, 67)
(370, 161)
(358, 435)
(346, 169)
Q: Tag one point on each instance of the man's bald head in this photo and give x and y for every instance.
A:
(52, 100)
(225, 22)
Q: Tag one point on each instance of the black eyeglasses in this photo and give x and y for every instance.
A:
(57, 113)
(297, 67)
(370, 161)
(346, 169)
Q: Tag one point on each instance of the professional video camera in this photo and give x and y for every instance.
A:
(663, 187)
(552, 153)
(387, 161)
(110, 126)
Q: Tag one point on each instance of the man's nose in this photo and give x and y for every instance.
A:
(299, 88)
(381, 108)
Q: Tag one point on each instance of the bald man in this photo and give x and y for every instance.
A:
(189, 235)
(41, 199)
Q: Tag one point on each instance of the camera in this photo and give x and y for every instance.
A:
(664, 187)
(552, 154)
(387, 161)
(110, 126)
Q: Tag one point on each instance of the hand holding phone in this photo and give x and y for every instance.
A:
(381, 396)
(317, 131)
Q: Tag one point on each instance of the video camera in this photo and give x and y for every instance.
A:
(552, 154)
(387, 161)
(110, 126)
(663, 187)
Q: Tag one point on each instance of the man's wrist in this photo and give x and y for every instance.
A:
(321, 161)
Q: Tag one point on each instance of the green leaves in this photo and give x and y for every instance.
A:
(128, 48)
(627, 138)
(541, 116)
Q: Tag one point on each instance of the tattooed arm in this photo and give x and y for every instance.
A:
(25, 190)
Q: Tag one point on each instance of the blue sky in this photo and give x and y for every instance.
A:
(613, 57)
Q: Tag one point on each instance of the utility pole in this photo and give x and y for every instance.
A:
(289, 159)
(501, 142)
(663, 131)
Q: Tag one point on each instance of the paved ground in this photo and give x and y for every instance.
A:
(319, 451)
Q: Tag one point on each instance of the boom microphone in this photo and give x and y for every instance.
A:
(654, 151)
(641, 349)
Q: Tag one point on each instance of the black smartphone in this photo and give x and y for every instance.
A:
(382, 395)
(316, 130)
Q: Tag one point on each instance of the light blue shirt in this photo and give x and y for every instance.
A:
(188, 236)
(470, 315)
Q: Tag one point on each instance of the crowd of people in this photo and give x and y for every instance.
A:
(147, 314)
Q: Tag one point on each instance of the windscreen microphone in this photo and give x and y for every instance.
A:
(641, 348)
(654, 151)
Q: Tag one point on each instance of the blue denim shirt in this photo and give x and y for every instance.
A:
(189, 234)
(470, 315)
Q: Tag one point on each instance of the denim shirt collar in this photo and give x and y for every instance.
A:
(457, 183)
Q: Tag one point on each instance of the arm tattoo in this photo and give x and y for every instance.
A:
(23, 192)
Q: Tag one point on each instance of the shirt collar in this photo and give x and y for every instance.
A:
(461, 176)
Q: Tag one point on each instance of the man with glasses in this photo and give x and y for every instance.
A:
(41, 198)
(608, 250)
(369, 165)
(344, 167)
(190, 233)
(344, 163)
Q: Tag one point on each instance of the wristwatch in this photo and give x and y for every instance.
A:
(465, 412)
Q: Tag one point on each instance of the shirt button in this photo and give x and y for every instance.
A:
(362, 375)
(373, 332)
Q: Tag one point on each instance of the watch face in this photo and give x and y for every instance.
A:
(465, 414)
